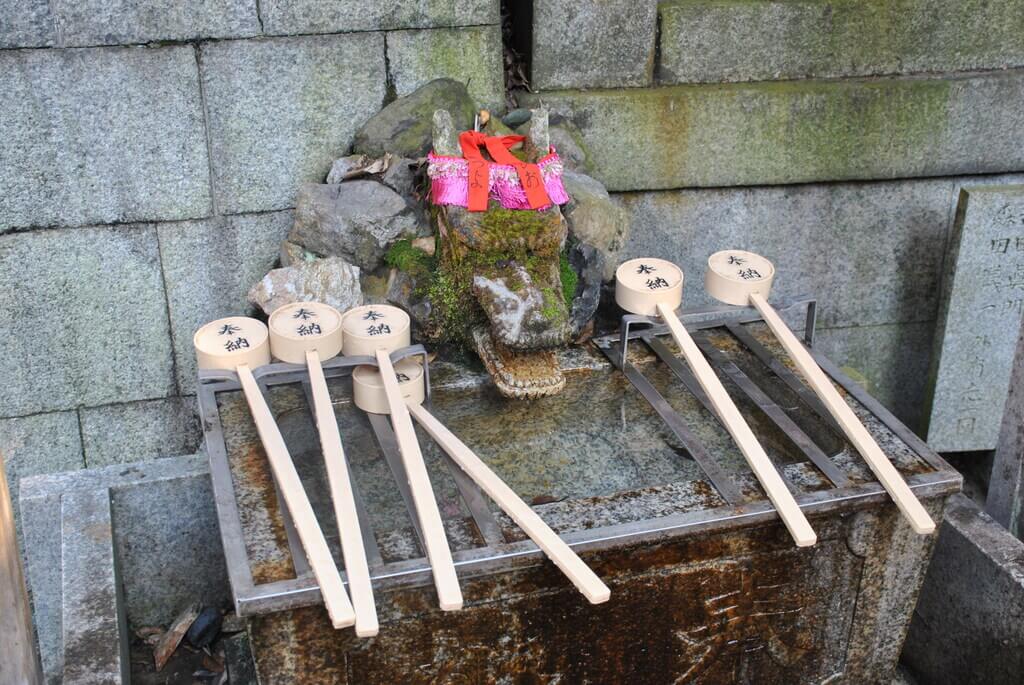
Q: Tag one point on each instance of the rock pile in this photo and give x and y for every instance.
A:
(369, 234)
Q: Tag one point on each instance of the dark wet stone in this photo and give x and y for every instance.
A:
(205, 629)
(516, 117)
(404, 127)
(588, 262)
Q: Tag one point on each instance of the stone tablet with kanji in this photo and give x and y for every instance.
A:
(980, 314)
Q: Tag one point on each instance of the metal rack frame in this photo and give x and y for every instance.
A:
(496, 555)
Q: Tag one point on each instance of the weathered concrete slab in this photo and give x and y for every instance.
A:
(209, 267)
(893, 358)
(163, 543)
(118, 22)
(139, 431)
(967, 626)
(606, 44)
(169, 546)
(793, 132)
(86, 145)
(981, 310)
(713, 41)
(41, 532)
(281, 110)
(470, 55)
(43, 443)
(26, 24)
(330, 16)
(95, 637)
(88, 319)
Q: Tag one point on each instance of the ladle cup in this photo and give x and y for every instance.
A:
(743, 278)
(654, 287)
(310, 333)
(377, 330)
(369, 392)
(238, 344)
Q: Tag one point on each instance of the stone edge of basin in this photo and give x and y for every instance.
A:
(72, 566)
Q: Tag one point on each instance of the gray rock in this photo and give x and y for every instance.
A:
(209, 267)
(87, 319)
(568, 142)
(595, 219)
(331, 280)
(522, 315)
(139, 431)
(538, 131)
(99, 22)
(317, 16)
(355, 220)
(100, 157)
(607, 44)
(375, 288)
(400, 176)
(812, 130)
(472, 55)
(346, 167)
(980, 316)
(589, 264)
(404, 291)
(296, 254)
(27, 24)
(817, 40)
(516, 117)
(444, 134)
(278, 114)
(404, 127)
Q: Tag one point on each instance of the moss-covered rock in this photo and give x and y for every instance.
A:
(404, 127)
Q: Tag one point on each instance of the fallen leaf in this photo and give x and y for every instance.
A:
(172, 638)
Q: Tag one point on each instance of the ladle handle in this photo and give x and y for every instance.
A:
(445, 579)
(734, 422)
(844, 416)
(331, 588)
(344, 501)
(526, 518)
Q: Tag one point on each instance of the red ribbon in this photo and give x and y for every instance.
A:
(480, 169)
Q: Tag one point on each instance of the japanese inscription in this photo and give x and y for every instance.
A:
(980, 316)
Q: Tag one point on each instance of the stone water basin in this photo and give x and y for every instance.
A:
(603, 470)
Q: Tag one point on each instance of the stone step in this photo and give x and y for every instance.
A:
(113, 546)
(94, 634)
(711, 41)
(771, 133)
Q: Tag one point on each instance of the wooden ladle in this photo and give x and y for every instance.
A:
(310, 333)
(654, 287)
(377, 330)
(743, 278)
(369, 392)
(238, 344)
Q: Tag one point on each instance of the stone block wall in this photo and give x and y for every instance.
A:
(151, 154)
(830, 135)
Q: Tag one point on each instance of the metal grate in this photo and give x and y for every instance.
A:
(495, 554)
